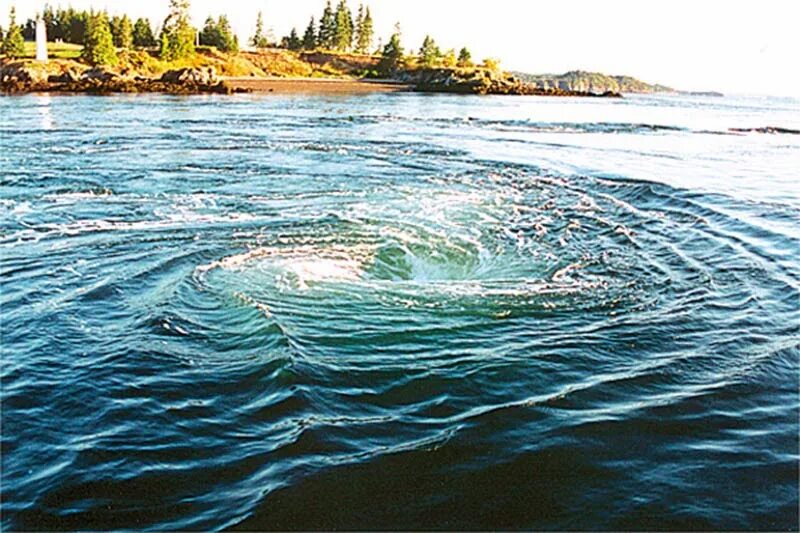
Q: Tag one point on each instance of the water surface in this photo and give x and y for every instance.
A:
(399, 311)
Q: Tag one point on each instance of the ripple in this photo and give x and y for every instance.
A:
(414, 316)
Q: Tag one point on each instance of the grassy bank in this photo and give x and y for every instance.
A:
(271, 62)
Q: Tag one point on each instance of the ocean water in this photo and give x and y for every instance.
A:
(399, 311)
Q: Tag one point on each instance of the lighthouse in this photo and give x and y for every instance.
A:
(41, 40)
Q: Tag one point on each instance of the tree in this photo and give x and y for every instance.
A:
(29, 30)
(259, 39)
(122, 31)
(449, 59)
(52, 24)
(327, 28)
(429, 53)
(491, 63)
(98, 46)
(310, 36)
(293, 42)
(13, 43)
(365, 31)
(177, 35)
(209, 36)
(2, 33)
(143, 34)
(76, 26)
(392, 55)
(343, 39)
(464, 58)
(219, 34)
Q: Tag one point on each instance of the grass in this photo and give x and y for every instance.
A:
(264, 62)
(55, 50)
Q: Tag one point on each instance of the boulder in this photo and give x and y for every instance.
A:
(100, 74)
(22, 73)
(68, 76)
(191, 76)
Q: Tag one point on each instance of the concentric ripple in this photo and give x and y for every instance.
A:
(300, 313)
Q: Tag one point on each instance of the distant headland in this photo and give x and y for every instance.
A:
(596, 82)
(90, 51)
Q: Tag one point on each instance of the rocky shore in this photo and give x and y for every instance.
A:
(71, 77)
(26, 76)
(483, 81)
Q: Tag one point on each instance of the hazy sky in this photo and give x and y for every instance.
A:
(734, 46)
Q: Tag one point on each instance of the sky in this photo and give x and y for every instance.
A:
(730, 46)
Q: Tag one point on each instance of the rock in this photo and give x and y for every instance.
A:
(482, 81)
(68, 76)
(191, 76)
(22, 73)
(100, 74)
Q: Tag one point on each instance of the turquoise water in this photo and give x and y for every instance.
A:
(399, 311)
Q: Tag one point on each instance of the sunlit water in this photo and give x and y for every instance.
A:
(399, 311)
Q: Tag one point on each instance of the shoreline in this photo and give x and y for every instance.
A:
(29, 77)
(314, 85)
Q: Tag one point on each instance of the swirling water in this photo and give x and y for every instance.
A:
(399, 311)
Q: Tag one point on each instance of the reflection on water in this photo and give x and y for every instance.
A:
(398, 311)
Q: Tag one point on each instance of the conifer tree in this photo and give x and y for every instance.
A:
(293, 42)
(327, 28)
(2, 35)
(177, 35)
(259, 39)
(76, 27)
(143, 36)
(228, 42)
(449, 59)
(98, 45)
(209, 36)
(122, 32)
(310, 36)
(464, 58)
(365, 32)
(359, 22)
(50, 22)
(392, 54)
(429, 53)
(13, 43)
(343, 40)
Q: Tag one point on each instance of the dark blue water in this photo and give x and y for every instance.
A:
(399, 311)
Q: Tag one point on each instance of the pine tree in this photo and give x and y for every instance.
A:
(327, 28)
(50, 22)
(209, 35)
(310, 36)
(123, 38)
(429, 54)
(359, 23)
(259, 40)
(114, 24)
(449, 59)
(464, 58)
(98, 46)
(76, 27)
(365, 31)
(177, 35)
(143, 34)
(228, 42)
(294, 42)
(13, 43)
(392, 55)
(2, 34)
(343, 40)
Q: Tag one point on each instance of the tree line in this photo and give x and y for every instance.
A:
(337, 30)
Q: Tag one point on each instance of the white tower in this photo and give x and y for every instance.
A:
(41, 40)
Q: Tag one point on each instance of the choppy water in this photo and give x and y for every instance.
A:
(399, 311)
